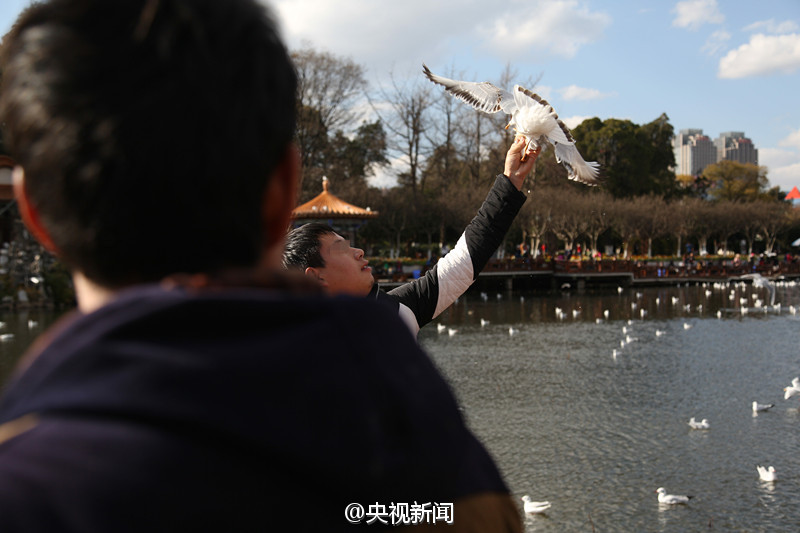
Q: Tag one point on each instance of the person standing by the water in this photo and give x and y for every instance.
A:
(318, 251)
(200, 387)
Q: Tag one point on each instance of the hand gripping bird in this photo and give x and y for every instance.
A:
(531, 117)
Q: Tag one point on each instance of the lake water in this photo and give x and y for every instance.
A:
(597, 432)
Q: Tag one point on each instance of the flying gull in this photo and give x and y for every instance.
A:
(531, 116)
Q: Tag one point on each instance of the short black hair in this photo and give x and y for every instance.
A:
(302, 246)
(148, 130)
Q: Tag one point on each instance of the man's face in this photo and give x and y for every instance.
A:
(345, 270)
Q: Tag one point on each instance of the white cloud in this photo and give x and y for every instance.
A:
(716, 42)
(414, 31)
(385, 176)
(370, 32)
(573, 121)
(763, 55)
(691, 14)
(783, 166)
(771, 26)
(558, 27)
(785, 177)
(573, 92)
(792, 140)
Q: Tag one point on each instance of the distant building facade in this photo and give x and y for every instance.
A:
(734, 146)
(694, 151)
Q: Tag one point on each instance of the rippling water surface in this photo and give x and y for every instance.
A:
(596, 433)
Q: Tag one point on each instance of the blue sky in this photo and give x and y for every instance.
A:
(719, 66)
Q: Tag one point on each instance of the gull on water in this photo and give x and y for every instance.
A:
(451, 331)
(512, 330)
(671, 499)
(440, 328)
(703, 424)
(686, 325)
(757, 407)
(484, 322)
(766, 473)
(532, 507)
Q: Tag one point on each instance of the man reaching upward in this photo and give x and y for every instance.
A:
(325, 255)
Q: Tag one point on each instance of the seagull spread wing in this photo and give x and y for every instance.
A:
(531, 116)
(483, 96)
(577, 168)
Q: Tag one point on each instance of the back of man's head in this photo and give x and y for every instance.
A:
(148, 130)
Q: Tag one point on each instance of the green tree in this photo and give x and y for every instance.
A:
(635, 160)
(734, 181)
(349, 161)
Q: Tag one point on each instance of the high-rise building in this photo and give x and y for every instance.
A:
(693, 152)
(734, 146)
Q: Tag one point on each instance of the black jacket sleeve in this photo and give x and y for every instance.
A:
(431, 294)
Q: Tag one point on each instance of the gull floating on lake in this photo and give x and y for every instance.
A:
(686, 325)
(440, 328)
(531, 116)
(532, 507)
(703, 424)
(671, 499)
(766, 474)
(484, 322)
(512, 330)
(451, 331)
(758, 407)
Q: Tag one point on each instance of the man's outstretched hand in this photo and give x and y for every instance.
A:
(516, 169)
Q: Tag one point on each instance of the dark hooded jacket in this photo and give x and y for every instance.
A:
(231, 410)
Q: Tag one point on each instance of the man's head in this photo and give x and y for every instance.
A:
(151, 133)
(320, 252)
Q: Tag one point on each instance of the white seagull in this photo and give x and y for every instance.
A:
(531, 116)
(703, 424)
(766, 474)
(532, 507)
(792, 390)
(671, 499)
(757, 407)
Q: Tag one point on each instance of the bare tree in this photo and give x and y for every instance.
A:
(651, 212)
(568, 220)
(329, 90)
(598, 219)
(404, 112)
(682, 219)
(777, 217)
(535, 217)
